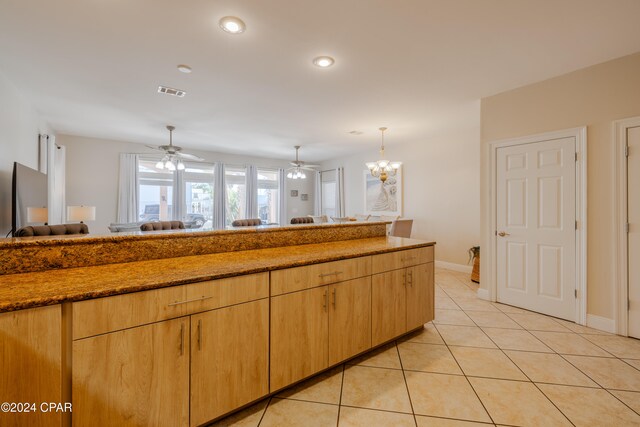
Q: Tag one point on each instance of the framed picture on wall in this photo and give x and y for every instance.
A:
(294, 193)
(383, 198)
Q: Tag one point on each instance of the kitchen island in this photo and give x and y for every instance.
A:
(183, 340)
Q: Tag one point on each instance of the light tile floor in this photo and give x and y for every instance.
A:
(477, 364)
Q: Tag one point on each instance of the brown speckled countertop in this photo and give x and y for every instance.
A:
(27, 290)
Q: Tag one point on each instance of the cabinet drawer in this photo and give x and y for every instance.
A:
(401, 259)
(311, 276)
(102, 315)
(110, 314)
(203, 296)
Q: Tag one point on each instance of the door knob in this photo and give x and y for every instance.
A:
(502, 234)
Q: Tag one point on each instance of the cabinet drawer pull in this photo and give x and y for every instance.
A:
(333, 273)
(189, 300)
(199, 334)
(181, 339)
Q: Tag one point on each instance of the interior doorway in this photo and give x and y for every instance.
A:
(538, 223)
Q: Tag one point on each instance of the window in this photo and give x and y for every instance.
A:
(328, 193)
(198, 194)
(156, 192)
(268, 195)
(186, 195)
(236, 193)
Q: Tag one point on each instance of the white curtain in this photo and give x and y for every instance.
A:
(252, 191)
(219, 196)
(128, 190)
(317, 194)
(282, 196)
(340, 192)
(56, 164)
(177, 211)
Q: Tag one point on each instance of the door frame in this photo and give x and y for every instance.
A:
(620, 219)
(490, 224)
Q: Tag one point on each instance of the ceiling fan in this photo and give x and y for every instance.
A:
(297, 171)
(173, 154)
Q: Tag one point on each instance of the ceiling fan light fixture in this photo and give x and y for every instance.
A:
(232, 25)
(180, 166)
(160, 165)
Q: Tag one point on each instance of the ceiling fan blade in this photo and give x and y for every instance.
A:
(154, 148)
(306, 165)
(189, 156)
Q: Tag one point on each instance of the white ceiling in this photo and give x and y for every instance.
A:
(92, 67)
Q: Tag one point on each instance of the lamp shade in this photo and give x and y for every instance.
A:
(37, 214)
(81, 213)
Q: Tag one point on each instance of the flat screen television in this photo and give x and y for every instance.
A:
(30, 189)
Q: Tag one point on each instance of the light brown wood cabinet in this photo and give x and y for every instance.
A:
(420, 295)
(388, 305)
(31, 361)
(229, 359)
(349, 319)
(176, 372)
(316, 328)
(299, 331)
(134, 377)
(402, 293)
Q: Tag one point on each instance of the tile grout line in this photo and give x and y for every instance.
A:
(523, 373)
(406, 385)
(601, 386)
(264, 412)
(341, 389)
(467, 378)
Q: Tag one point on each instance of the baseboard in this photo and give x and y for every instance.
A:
(455, 267)
(483, 294)
(601, 323)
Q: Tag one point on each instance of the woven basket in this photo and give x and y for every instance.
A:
(475, 273)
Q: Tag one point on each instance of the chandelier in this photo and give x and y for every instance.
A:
(382, 168)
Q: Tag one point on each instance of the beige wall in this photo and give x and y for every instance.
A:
(20, 125)
(441, 187)
(595, 97)
(93, 167)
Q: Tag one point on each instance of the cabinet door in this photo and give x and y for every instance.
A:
(388, 305)
(349, 319)
(419, 295)
(31, 360)
(299, 334)
(229, 359)
(134, 377)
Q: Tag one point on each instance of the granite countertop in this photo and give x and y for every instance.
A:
(62, 240)
(27, 290)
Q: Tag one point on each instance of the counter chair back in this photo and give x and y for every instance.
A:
(401, 228)
(52, 230)
(162, 225)
(253, 222)
(302, 220)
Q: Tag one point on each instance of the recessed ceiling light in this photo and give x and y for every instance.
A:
(184, 68)
(323, 61)
(232, 24)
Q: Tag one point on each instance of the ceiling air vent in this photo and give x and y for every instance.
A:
(171, 91)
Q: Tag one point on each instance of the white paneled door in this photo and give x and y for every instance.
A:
(633, 212)
(535, 226)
